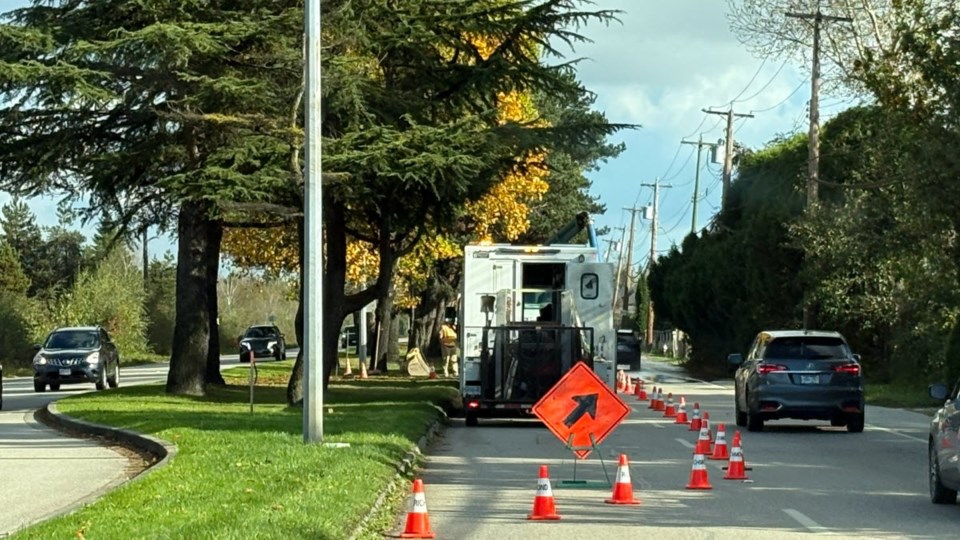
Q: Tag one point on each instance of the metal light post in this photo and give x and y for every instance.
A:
(313, 231)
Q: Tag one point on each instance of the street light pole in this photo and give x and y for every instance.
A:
(313, 231)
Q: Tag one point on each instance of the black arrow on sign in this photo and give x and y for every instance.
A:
(586, 404)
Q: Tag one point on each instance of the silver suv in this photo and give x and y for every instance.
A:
(942, 450)
(803, 374)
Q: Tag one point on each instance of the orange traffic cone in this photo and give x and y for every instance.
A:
(623, 489)
(630, 385)
(682, 412)
(418, 521)
(433, 372)
(736, 468)
(696, 421)
(670, 410)
(698, 475)
(660, 404)
(653, 398)
(543, 505)
(363, 370)
(620, 381)
(641, 393)
(703, 442)
(720, 445)
(347, 371)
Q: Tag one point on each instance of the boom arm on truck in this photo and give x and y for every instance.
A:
(580, 222)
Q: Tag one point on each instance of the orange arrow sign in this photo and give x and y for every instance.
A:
(581, 405)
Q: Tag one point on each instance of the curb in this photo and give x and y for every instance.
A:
(160, 452)
(406, 465)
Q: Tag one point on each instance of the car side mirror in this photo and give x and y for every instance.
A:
(856, 357)
(735, 359)
(938, 391)
(37, 347)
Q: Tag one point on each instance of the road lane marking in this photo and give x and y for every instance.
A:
(686, 443)
(895, 432)
(808, 523)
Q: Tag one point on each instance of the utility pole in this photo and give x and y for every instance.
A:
(813, 162)
(813, 165)
(626, 282)
(616, 279)
(696, 179)
(653, 251)
(610, 244)
(728, 154)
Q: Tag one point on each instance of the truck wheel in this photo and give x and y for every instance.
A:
(39, 387)
(471, 419)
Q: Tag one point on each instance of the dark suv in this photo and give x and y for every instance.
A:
(263, 340)
(942, 450)
(804, 374)
(76, 355)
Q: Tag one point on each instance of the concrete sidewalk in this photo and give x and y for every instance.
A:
(44, 472)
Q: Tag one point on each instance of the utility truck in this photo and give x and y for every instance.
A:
(528, 314)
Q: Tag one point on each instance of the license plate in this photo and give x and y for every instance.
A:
(64, 372)
(809, 379)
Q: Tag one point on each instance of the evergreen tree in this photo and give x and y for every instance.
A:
(150, 105)
(12, 277)
(21, 232)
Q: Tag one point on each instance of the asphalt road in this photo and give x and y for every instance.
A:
(805, 478)
(42, 471)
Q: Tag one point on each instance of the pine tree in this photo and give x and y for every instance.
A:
(152, 106)
(12, 277)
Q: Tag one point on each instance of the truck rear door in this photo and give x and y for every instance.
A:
(591, 284)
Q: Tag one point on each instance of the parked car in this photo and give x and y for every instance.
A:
(76, 355)
(803, 374)
(264, 340)
(628, 350)
(943, 454)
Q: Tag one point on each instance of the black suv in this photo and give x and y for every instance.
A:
(265, 341)
(76, 355)
(628, 350)
(804, 374)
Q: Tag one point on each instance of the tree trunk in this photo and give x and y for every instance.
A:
(393, 341)
(295, 384)
(213, 375)
(191, 333)
(384, 323)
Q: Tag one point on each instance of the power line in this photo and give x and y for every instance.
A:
(745, 88)
(784, 100)
(764, 87)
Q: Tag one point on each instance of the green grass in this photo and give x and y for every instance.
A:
(900, 395)
(239, 475)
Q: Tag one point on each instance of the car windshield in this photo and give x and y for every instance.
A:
(260, 332)
(806, 348)
(72, 339)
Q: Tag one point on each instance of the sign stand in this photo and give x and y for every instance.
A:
(574, 483)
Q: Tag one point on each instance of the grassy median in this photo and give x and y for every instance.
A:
(239, 475)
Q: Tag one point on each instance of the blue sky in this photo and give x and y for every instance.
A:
(664, 63)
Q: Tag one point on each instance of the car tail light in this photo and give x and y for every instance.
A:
(852, 369)
(770, 368)
(473, 404)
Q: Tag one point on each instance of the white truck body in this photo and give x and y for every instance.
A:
(554, 306)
